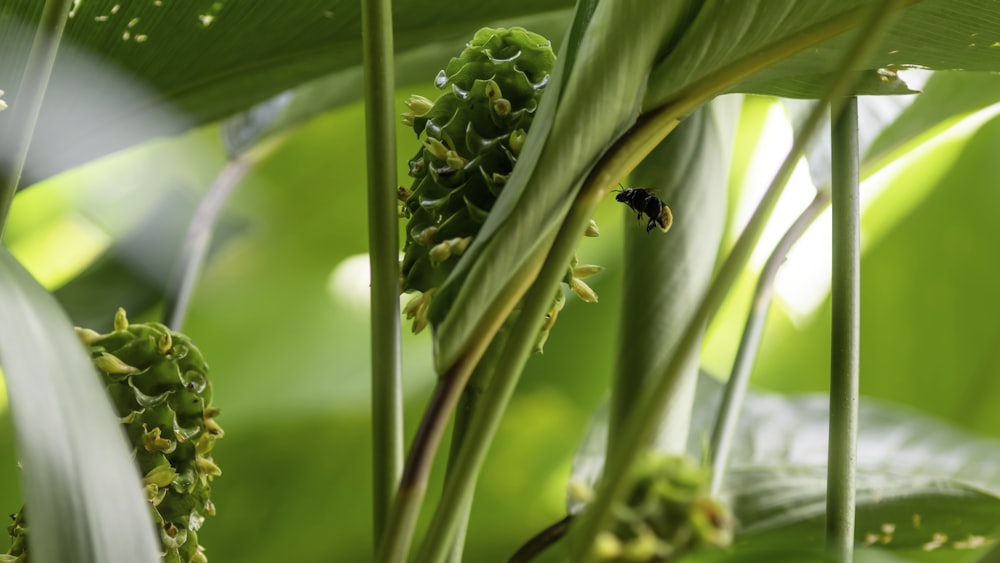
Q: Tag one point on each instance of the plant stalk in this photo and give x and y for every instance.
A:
(736, 388)
(642, 422)
(383, 245)
(27, 106)
(626, 154)
(468, 404)
(197, 241)
(845, 335)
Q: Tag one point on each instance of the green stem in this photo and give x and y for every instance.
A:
(542, 541)
(628, 152)
(642, 422)
(28, 104)
(181, 286)
(383, 244)
(845, 335)
(468, 404)
(732, 399)
(395, 543)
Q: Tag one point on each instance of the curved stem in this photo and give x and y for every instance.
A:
(732, 399)
(626, 154)
(181, 286)
(541, 541)
(28, 104)
(383, 245)
(642, 423)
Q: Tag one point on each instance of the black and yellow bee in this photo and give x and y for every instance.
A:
(645, 201)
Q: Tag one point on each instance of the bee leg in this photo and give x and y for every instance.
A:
(650, 225)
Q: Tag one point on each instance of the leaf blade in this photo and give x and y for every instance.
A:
(81, 486)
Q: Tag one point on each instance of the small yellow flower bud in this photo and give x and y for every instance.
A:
(417, 308)
(88, 336)
(644, 547)
(501, 106)
(121, 320)
(583, 291)
(161, 476)
(585, 271)
(592, 230)
(459, 245)
(419, 105)
(403, 194)
(439, 253)
(455, 160)
(607, 546)
(154, 442)
(517, 141)
(112, 365)
(493, 90)
(436, 148)
(207, 467)
(165, 343)
(426, 236)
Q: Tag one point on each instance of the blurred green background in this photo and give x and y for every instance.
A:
(281, 315)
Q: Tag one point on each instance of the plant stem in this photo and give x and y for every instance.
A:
(621, 159)
(28, 104)
(845, 335)
(468, 404)
(642, 422)
(383, 245)
(541, 541)
(197, 241)
(732, 399)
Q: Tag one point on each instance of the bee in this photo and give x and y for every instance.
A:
(645, 201)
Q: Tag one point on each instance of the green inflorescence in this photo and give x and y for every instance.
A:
(473, 135)
(157, 381)
(667, 515)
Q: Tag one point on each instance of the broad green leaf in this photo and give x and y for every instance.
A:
(875, 114)
(414, 68)
(83, 494)
(666, 275)
(180, 64)
(945, 96)
(726, 36)
(917, 476)
(597, 103)
(889, 123)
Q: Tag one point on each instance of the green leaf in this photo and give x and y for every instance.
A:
(414, 68)
(83, 493)
(945, 97)
(597, 102)
(131, 71)
(727, 36)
